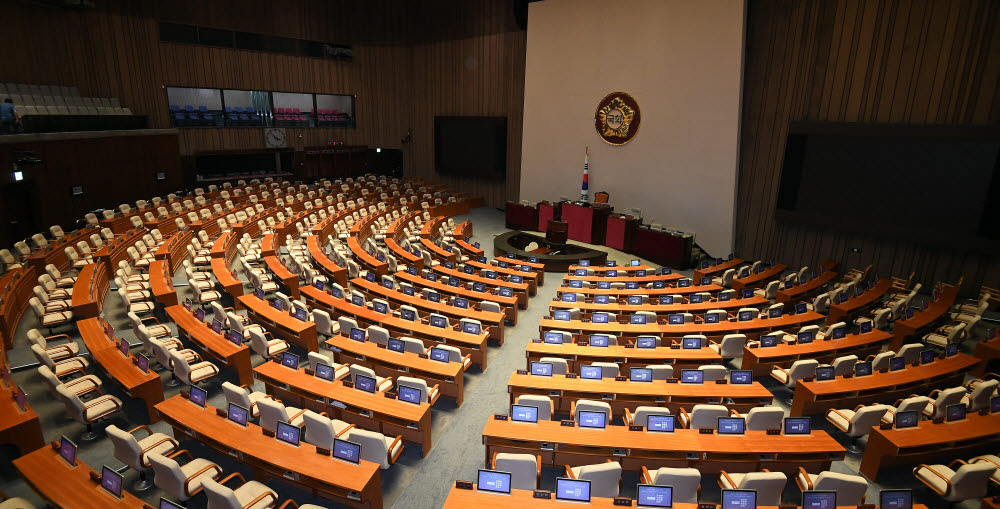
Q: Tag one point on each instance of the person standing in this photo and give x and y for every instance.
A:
(8, 117)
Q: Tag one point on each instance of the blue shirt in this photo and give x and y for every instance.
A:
(6, 111)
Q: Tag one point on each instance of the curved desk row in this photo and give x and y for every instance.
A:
(762, 360)
(576, 355)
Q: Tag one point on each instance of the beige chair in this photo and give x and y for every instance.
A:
(941, 400)
(856, 423)
(58, 347)
(702, 416)
(991, 459)
(322, 430)
(713, 372)
(273, 411)
(244, 397)
(376, 447)
(971, 480)
(46, 318)
(382, 383)
(264, 343)
(79, 386)
(525, 469)
(250, 495)
(181, 482)
(339, 370)
(982, 391)
(90, 411)
(64, 367)
(913, 403)
(428, 395)
(763, 418)
(686, 482)
(587, 405)
(134, 453)
(640, 416)
(189, 373)
(605, 478)
(730, 347)
(850, 488)
(803, 368)
(769, 485)
(543, 403)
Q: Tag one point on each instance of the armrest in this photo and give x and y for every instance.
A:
(398, 439)
(296, 416)
(805, 475)
(90, 390)
(729, 480)
(142, 453)
(262, 496)
(628, 417)
(644, 476)
(958, 461)
(934, 393)
(345, 430)
(93, 402)
(842, 416)
(687, 417)
(185, 452)
(54, 336)
(206, 468)
(231, 476)
(947, 481)
(288, 503)
(568, 472)
(139, 427)
(734, 413)
(538, 467)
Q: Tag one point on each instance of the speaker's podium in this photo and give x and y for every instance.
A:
(587, 224)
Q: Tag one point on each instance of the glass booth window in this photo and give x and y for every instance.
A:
(195, 107)
(293, 110)
(334, 110)
(247, 107)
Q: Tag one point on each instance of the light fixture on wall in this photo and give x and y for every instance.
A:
(378, 150)
(18, 176)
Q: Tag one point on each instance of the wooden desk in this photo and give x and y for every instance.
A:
(405, 257)
(626, 278)
(521, 290)
(761, 360)
(438, 252)
(369, 261)
(588, 308)
(65, 486)
(508, 304)
(536, 267)
(20, 429)
(651, 292)
(104, 351)
(161, 283)
(753, 327)
(54, 253)
(930, 443)
(806, 290)
(621, 395)
(282, 274)
(86, 291)
(533, 279)
(387, 363)
(685, 448)
(213, 345)
(333, 272)
(988, 350)
(220, 248)
(755, 280)
(844, 311)
(720, 268)
(818, 397)
(474, 345)
(174, 248)
(375, 412)
(924, 320)
(519, 499)
(576, 355)
(231, 284)
(282, 324)
(494, 322)
(601, 269)
(358, 486)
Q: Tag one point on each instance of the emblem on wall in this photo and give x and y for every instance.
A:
(617, 118)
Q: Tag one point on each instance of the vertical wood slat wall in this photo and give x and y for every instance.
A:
(865, 61)
(115, 51)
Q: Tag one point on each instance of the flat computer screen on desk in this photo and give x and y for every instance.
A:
(574, 490)
(653, 496)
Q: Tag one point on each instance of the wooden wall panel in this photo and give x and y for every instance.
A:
(409, 65)
(867, 61)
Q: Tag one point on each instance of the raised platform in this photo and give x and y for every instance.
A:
(555, 257)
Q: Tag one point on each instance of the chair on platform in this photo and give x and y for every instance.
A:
(249, 495)
(90, 411)
(134, 452)
(856, 423)
(181, 482)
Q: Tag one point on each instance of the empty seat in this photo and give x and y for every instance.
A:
(605, 478)
(850, 488)
(525, 469)
(686, 482)
(769, 485)
(970, 480)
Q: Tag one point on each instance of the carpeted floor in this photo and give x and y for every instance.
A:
(413, 482)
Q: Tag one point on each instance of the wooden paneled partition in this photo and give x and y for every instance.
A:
(865, 61)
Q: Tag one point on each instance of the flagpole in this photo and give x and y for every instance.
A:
(584, 190)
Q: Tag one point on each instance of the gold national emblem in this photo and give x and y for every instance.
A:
(617, 118)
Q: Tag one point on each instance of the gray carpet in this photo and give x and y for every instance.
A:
(413, 482)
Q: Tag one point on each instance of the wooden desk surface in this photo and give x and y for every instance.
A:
(627, 277)
(475, 278)
(215, 345)
(326, 266)
(255, 449)
(65, 486)
(408, 258)
(784, 354)
(669, 290)
(487, 317)
(280, 271)
(789, 450)
(755, 326)
(661, 309)
(413, 362)
(438, 252)
(841, 310)
(659, 355)
(281, 323)
(937, 309)
(717, 268)
(84, 299)
(814, 396)
(161, 283)
(231, 284)
(929, 441)
(104, 351)
(221, 245)
(512, 261)
(519, 499)
(758, 278)
(602, 268)
(438, 286)
(341, 307)
(807, 289)
(380, 268)
(21, 429)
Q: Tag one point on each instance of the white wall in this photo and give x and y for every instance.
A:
(682, 60)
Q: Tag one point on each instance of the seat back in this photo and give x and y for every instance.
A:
(981, 394)
(74, 405)
(604, 478)
(971, 480)
(713, 372)
(881, 361)
(271, 412)
(764, 418)
(219, 496)
(319, 430)
(865, 418)
(586, 405)
(373, 446)
(685, 481)
(168, 475)
(126, 447)
(236, 395)
(732, 345)
(707, 416)
(608, 369)
(559, 365)
(413, 345)
(661, 371)
(523, 469)
(641, 414)
(850, 488)
(415, 383)
(844, 365)
(769, 486)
